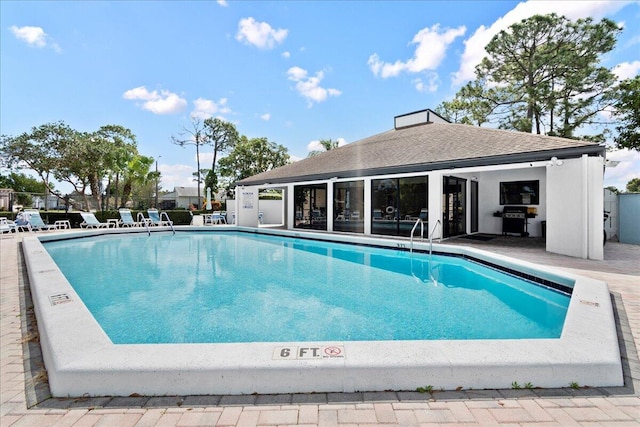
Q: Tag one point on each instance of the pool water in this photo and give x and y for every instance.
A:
(243, 287)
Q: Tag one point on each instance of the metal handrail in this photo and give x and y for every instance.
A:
(418, 221)
(143, 220)
(168, 221)
(433, 230)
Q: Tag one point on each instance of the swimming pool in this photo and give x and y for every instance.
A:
(82, 360)
(244, 287)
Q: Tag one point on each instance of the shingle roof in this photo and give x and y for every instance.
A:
(186, 191)
(426, 147)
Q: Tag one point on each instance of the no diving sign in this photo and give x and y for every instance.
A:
(302, 353)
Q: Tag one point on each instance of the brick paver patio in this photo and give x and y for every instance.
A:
(23, 379)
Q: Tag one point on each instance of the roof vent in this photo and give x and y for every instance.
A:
(417, 118)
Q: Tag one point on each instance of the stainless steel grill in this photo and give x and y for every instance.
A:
(514, 220)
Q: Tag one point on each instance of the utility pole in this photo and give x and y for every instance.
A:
(157, 176)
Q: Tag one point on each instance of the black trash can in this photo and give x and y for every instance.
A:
(544, 229)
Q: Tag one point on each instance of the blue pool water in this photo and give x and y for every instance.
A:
(226, 287)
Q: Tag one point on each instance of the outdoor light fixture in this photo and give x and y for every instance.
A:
(611, 163)
(555, 162)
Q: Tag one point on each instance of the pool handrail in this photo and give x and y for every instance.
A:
(418, 221)
(433, 230)
(142, 220)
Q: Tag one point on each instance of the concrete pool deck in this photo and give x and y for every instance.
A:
(602, 406)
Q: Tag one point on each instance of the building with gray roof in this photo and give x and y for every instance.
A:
(456, 179)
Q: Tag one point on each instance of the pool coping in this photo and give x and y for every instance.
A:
(81, 360)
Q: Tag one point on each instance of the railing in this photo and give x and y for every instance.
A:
(433, 230)
(167, 221)
(142, 220)
(418, 221)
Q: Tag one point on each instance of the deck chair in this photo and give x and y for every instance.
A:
(424, 214)
(377, 214)
(156, 218)
(126, 218)
(90, 221)
(22, 222)
(35, 220)
(7, 226)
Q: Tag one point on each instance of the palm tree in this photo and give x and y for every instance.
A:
(138, 172)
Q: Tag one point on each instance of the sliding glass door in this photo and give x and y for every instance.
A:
(310, 203)
(397, 203)
(348, 206)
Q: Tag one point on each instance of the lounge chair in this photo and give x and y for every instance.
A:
(7, 226)
(156, 218)
(36, 222)
(126, 218)
(424, 214)
(90, 221)
(22, 222)
(214, 218)
(377, 214)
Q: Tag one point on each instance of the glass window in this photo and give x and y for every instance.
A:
(348, 206)
(397, 203)
(310, 206)
(520, 193)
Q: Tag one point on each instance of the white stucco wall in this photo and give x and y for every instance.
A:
(435, 206)
(570, 202)
(273, 210)
(489, 198)
(575, 203)
(247, 206)
(565, 195)
(595, 204)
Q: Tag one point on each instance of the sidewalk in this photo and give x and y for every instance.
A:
(616, 406)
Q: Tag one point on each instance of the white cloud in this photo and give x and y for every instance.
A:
(266, 117)
(34, 36)
(205, 108)
(296, 73)
(625, 171)
(222, 3)
(176, 176)
(259, 34)
(431, 46)
(316, 146)
(163, 102)
(431, 85)
(286, 55)
(309, 87)
(627, 70)
(474, 45)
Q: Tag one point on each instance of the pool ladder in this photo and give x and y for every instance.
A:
(418, 221)
(433, 230)
(145, 221)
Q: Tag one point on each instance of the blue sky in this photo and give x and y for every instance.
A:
(292, 71)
